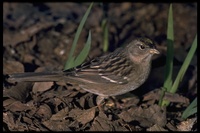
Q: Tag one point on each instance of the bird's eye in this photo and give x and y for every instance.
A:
(142, 47)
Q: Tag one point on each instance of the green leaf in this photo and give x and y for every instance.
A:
(85, 51)
(104, 27)
(183, 69)
(190, 110)
(169, 59)
(70, 62)
(170, 51)
(169, 86)
(185, 65)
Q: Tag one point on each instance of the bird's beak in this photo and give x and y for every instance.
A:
(154, 51)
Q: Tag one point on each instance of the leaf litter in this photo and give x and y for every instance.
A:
(40, 39)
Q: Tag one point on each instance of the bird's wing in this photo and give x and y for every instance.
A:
(111, 68)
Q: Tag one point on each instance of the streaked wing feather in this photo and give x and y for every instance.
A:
(109, 69)
(98, 78)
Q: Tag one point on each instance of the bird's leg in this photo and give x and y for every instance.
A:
(100, 100)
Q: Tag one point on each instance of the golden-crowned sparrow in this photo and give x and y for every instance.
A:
(113, 74)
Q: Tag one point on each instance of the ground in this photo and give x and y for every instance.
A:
(38, 37)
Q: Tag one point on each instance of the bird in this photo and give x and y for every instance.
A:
(115, 73)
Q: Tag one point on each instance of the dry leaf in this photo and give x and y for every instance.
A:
(60, 115)
(10, 67)
(41, 86)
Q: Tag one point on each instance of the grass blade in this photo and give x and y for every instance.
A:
(105, 35)
(70, 62)
(83, 54)
(169, 59)
(170, 51)
(184, 66)
(190, 110)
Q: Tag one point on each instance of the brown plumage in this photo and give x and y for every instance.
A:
(113, 74)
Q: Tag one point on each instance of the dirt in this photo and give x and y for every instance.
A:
(38, 37)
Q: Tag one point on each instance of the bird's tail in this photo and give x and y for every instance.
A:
(36, 76)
